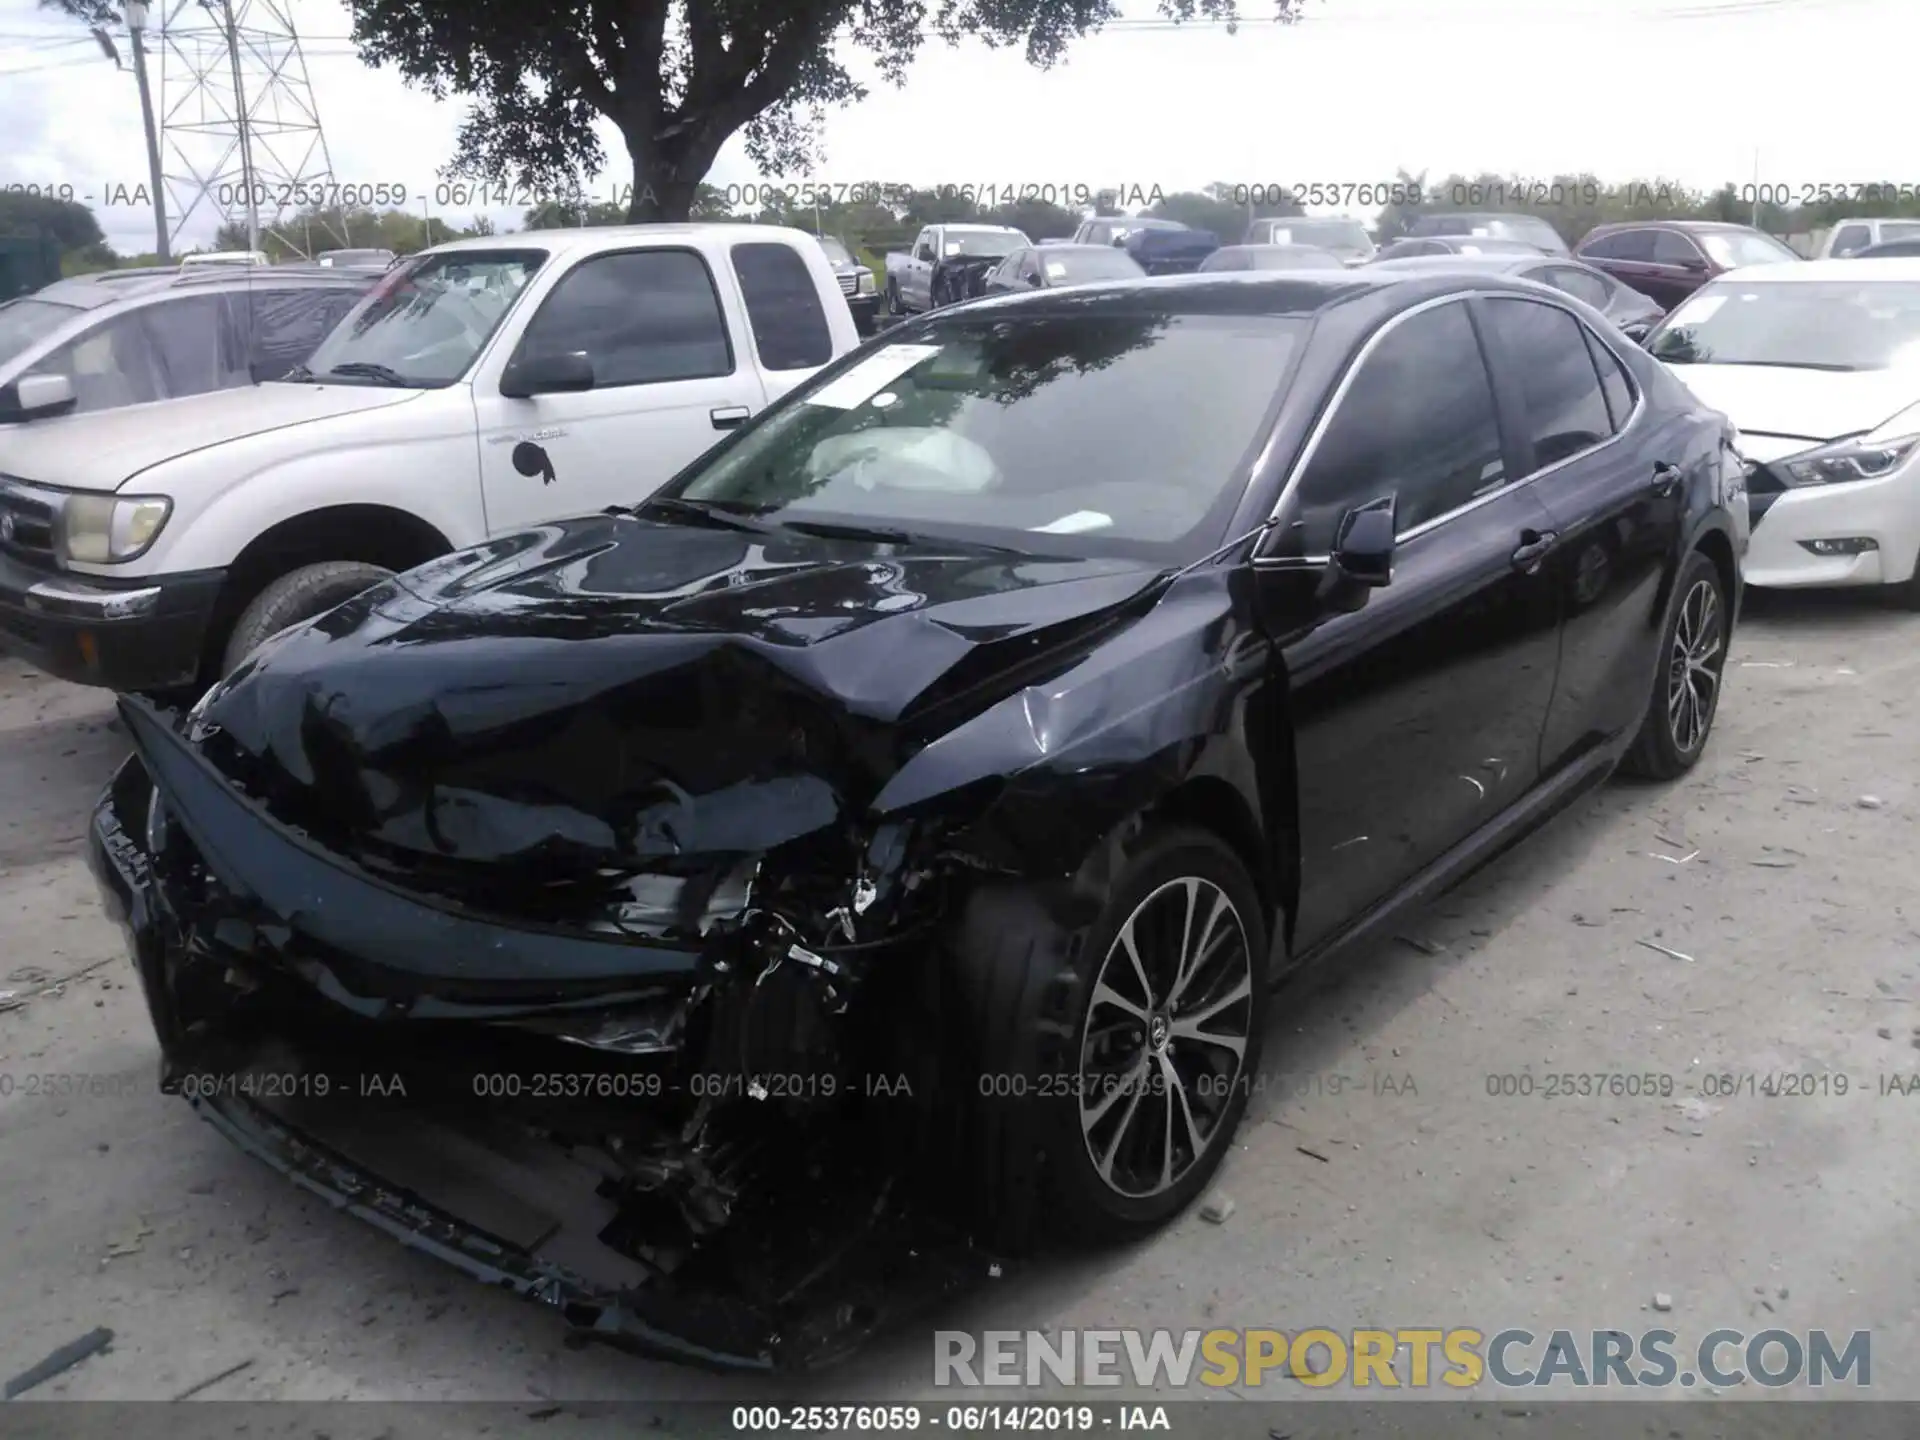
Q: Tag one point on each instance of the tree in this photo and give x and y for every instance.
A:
(678, 78)
(71, 225)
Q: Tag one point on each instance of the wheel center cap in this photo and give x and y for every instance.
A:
(1159, 1031)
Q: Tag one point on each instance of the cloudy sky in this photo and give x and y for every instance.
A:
(1703, 91)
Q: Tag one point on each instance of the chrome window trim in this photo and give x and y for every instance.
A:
(1346, 383)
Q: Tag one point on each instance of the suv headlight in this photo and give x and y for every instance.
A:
(864, 285)
(1862, 458)
(107, 529)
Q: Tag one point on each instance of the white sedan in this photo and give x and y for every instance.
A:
(1817, 363)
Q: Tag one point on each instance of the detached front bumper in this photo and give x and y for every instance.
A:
(429, 1128)
(129, 635)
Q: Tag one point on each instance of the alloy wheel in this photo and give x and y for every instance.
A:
(1166, 1037)
(1694, 665)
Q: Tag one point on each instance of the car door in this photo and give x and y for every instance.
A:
(1416, 718)
(917, 286)
(672, 369)
(1612, 484)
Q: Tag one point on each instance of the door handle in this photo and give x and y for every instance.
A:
(1534, 545)
(728, 417)
(1666, 479)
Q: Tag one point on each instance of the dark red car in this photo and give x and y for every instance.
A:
(1667, 260)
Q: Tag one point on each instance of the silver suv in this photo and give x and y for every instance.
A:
(130, 337)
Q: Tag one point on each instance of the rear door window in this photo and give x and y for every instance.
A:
(1566, 410)
(790, 329)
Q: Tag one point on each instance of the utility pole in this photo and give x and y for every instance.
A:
(245, 129)
(136, 27)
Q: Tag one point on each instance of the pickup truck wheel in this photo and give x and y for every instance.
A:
(1104, 1060)
(298, 595)
(893, 298)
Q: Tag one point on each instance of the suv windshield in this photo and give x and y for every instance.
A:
(423, 324)
(1731, 249)
(984, 242)
(1048, 433)
(1822, 325)
(25, 323)
(1343, 237)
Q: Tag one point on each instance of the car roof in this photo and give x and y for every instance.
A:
(614, 237)
(1071, 248)
(1496, 260)
(1246, 292)
(1698, 227)
(107, 287)
(1505, 215)
(1889, 249)
(1853, 269)
(1138, 222)
(1280, 249)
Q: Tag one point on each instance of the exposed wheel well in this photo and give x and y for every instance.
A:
(1717, 548)
(1214, 805)
(372, 534)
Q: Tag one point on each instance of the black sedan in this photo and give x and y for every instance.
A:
(1271, 257)
(1625, 306)
(1050, 267)
(1430, 245)
(932, 779)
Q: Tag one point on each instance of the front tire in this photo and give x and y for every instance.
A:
(298, 595)
(894, 307)
(1107, 1060)
(1686, 692)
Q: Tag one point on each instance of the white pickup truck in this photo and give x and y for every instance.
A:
(481, 388)
(965, 253)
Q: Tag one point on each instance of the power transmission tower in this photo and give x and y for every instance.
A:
(240, 132)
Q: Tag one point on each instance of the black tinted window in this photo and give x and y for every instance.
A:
(1547, 348)
(1625, 245)
(789, 326)
(197, 352)
(1613, 381)
(282, 328)
(1672, 248)
(1418, 423)
(643, 317)
(1581, 284)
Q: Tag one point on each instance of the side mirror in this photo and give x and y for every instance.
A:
(33, 396)
(1362, 558)
(554, 373)
(1695, 266)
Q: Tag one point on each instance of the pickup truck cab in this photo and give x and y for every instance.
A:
(481, 388)
(1850, 236)
(910, 275)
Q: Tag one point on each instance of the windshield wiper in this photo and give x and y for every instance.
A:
(704, 512)
(385, 374)
(887, 534)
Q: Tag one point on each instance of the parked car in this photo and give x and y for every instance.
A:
(365, 259)
(1852, 236)
(1430, 245)
(1814, 362)
(1169, 251)
(1668, 260)
(1056, 240)
(947, 263)
(1113, 229)
(488, 385)
(97, 342)
(1342, 236)
(217, 258)
(1056, 266)
(1627, 308)
(974, 716)
(1492, 225)
(855, 280)
(1272, 257)
(1888, 250)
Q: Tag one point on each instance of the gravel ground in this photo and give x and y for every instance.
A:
(1377, 1181)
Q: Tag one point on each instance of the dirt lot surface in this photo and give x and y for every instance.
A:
(1377, 1181)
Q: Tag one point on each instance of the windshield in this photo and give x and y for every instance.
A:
(1346, 237)
(426, 323)
(984, 242)
(1094, 263)
(1731, 249)
(25, 323)
(1050, 433)
(1823, 325)
(836, 252)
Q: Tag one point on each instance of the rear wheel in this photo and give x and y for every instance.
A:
(1686, 692)
(894, 307)
(1110, 1060)
(298, 595)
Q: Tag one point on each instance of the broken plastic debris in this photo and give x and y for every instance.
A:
(1674, 954)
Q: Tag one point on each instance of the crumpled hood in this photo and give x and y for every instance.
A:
(1771, 403)
(615, 688)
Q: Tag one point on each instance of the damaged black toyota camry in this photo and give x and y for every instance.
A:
(874, 851)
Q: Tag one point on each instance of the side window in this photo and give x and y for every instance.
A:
(644, 316)
(1671, 248)
(1547, 350)
(196, 345)
(1417, 422)
(1634, 245)
(1850, 239)
(111, 365)
(1580, 284)
(923, 247)
(789, 326)
(1613, 381)
(279, 329)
